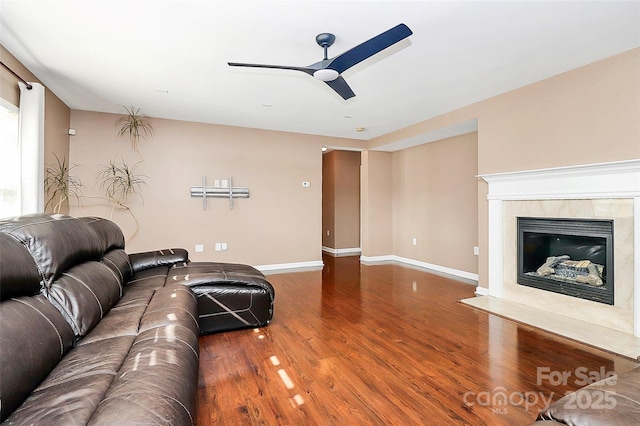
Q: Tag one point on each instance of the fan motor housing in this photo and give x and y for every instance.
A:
(325, 39)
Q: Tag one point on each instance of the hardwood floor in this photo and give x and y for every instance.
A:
(386, 345)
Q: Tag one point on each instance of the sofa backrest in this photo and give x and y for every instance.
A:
(55, 242)
(109, 233)
(33, 333)
(59, 276)
(19, 275)
(81, 263)
(114, 255)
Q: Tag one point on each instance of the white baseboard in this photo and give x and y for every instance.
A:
(342, 252)
(317, 264)
(437, 268)
(481, 291)
(290, 267)
(374, 259)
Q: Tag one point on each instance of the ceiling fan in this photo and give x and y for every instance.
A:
(329, 70)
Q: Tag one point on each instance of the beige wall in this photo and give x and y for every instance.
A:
(588, 115)
(328, 199)
(584, 116)
(341, 199)
(280, 223)
(377, 199)
(435, 201)
(57, 114)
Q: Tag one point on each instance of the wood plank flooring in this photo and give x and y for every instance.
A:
(385, 345)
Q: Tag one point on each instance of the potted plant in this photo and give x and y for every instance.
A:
(135, 124)
(60, 185)
(120, 184)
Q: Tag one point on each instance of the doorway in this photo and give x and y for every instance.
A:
(341, 203)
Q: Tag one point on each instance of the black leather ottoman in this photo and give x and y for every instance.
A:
(230, 295)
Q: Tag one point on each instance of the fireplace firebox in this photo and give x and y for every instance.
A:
(567, 256)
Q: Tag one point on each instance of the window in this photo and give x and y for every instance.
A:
(9, 160)
(22, 152)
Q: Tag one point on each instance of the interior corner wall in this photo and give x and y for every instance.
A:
(57, 113)
(435, 202)
(377, 199)
(341, 199)
(347, 206)
(584, 116)
(328, 199)
(280, 223)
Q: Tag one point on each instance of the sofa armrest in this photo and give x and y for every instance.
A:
(151, 259)
(613, 400)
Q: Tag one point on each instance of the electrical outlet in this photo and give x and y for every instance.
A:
(476, 250)
(224, 246)
(415, 241)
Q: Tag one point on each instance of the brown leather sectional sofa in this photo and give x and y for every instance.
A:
(611, 401)
(92, 335)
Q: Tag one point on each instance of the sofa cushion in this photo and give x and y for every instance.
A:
(118, 261)
(146, 375)
(55, 242)
(104, 356)
(157, 380)
(19, 274)
(154, 259)
(170, 305)
(84, 294)
(74, 389)
(110, 234)
(156, 385)
(206, 273)
(34, 337)
(70, 403)
(230, 295)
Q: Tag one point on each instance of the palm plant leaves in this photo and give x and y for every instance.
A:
(135, 124)
(119, 181)
(60, 184)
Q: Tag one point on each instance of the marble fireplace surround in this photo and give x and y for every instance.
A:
(598, 191)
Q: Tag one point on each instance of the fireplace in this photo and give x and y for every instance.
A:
(568, 256)
(606, 191)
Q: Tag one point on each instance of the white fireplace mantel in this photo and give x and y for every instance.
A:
(608, 180)
(593, 181)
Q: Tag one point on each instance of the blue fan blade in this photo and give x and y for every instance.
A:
(307, 70)
(341, 87)
(369, 48)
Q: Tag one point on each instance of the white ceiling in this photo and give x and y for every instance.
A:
(170, 57)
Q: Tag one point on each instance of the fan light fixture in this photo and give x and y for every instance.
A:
(329, 70)
(326, 74)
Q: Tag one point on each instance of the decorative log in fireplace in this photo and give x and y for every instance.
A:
(567, 256)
